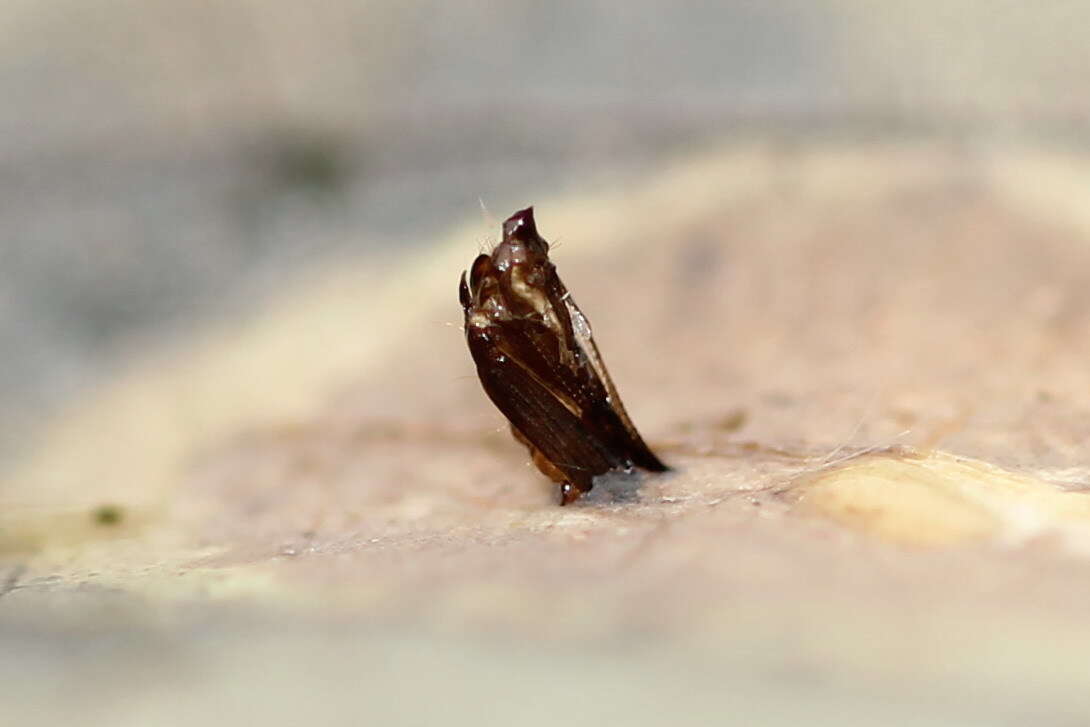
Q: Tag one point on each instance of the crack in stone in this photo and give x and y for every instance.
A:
(11, 581)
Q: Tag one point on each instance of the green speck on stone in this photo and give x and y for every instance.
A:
(107, 515)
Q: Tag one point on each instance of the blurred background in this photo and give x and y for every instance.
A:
(164, 163)
(172, 171)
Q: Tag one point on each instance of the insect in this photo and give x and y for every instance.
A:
(538, 363)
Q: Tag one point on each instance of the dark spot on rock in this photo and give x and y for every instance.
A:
(108, 515)
(310, 162)
(732, 421)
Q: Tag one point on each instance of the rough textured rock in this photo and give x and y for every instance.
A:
(868, 366)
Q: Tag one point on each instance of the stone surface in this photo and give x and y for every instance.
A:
(867, 365)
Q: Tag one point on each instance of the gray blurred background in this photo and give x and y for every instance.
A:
(164, 162)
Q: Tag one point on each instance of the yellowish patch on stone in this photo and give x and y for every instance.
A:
(938, 499)
(29, 530)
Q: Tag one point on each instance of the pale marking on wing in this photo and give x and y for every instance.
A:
(539, 301)
(585, 340)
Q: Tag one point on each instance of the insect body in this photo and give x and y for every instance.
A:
(538, 363)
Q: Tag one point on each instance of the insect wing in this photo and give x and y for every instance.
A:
(610, 411)
(533, 408)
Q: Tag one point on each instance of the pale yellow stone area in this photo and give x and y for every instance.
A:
(938, 499)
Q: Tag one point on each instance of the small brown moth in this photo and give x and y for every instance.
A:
(538, 363)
